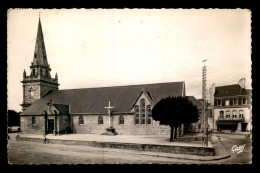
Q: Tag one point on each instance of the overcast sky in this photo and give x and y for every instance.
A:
(96, 48)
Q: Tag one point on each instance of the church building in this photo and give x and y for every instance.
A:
(48, 110)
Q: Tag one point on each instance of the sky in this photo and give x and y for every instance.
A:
(114, 47)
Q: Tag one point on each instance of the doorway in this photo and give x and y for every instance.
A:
(50, 126)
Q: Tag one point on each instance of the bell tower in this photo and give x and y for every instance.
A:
(39, 81)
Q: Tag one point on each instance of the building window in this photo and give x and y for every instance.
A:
(227, 102)
(100, 120)
(241, 114)
(33, 72)
(136, 114)
(221, 113)
(244, 101)
(41, 72)
(142, 111)
(81, 120)
(149, 115)
(199, 126)
(33, 120)
(227, 114)
(121, 119)
(235, 101)
(234, 114)
(219, 102)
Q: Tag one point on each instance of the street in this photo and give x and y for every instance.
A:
(23, 152)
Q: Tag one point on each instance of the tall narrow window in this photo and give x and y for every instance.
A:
(149, 114)
(136, 114)
(227, 114)
(219, 102)
(221, 114)
(244, 101)
(234, 114)
(235, 101)
(34, 72)
(100, 120)
(143, 111)
(121, 119)
(33, 120)
(81, 120)
(241, 114)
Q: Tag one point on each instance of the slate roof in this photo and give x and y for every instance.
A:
(195, 101)
(230, 90)
(93, 100)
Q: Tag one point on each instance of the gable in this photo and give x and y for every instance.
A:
(93, 100)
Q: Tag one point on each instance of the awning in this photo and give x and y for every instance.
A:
(227, 122)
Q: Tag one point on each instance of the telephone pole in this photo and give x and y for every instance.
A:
(204, 96)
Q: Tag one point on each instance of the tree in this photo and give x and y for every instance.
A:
(13, 118)
(174, 111)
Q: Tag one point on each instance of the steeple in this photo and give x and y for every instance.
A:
(40, 57)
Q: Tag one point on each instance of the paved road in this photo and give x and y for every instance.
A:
(24, 152)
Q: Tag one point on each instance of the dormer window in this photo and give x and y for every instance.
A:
(244, 101)
(227, 102)
(235, 102)
(219, 103)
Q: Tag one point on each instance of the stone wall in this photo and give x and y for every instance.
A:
(129, 127)
(28, 127)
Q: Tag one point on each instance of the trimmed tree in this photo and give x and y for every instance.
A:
(174, 111)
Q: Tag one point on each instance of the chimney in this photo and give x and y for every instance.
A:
(242, 83)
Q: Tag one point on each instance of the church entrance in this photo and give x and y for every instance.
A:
(50, 126)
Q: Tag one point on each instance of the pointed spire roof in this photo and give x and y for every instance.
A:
(40, 57)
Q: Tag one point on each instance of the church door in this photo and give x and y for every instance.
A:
(50, 126)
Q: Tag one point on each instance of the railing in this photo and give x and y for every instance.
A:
(231, 118)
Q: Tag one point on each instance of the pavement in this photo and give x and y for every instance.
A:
(219, 150)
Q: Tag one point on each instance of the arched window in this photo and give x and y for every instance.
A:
(33, 120)
(34, 72)
(227, 114)
(100, 120)
(149, 114)
(81, 120)
(121, 119)
(136, 114)
(241, 114)
(234, 114)
(142, 111)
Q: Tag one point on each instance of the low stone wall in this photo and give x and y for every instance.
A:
(203, 151)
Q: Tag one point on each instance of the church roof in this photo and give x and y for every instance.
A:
(93, 100)
(230, 90)
(195, 101)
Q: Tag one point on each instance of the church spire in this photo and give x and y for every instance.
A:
(40, 57)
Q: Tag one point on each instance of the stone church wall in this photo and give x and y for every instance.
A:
(28, 127)
(91, 126)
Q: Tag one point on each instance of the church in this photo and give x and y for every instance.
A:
(126, 109)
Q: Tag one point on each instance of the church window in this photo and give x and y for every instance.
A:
(142, 111)
(34, 72)
(136, 114)
(100, 120)
(149, 114)
(121, 119)
(81, 120)
(41, 72)
(35, 55)
(33, 120)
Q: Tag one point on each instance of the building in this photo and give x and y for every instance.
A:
(232, 107)
(46, 109)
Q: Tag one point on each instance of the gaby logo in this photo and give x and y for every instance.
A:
(238, 149)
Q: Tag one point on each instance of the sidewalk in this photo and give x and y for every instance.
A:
(147, 145)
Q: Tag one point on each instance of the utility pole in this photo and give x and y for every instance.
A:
(204, 92)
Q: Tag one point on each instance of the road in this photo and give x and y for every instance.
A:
(24, 152)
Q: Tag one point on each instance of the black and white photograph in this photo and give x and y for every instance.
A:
(129, 86)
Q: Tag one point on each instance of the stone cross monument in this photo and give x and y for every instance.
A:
(110, 130)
